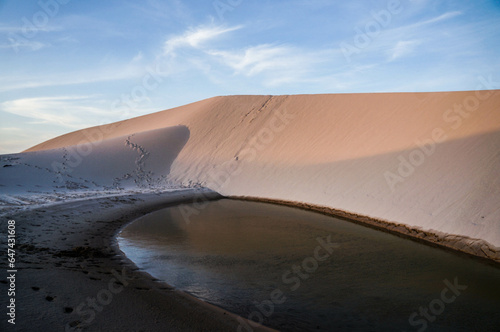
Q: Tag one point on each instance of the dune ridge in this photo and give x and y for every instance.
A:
(426, 161)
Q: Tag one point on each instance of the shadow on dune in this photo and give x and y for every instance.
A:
(142, 160)
(451, 187)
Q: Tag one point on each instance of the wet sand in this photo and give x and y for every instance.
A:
(72, 277)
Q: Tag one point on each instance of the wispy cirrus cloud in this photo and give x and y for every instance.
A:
(23, 30)
(134, 68)
(256, 59)
(436, 19)
(18, 37)
(196, 37)
(67, 111)
(403, 48)
(420, 26)
(276, 64)
(14, 139)
(23, 44)
(422, 36)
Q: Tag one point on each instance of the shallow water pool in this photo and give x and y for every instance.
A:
(298, 270)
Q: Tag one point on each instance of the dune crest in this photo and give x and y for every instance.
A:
(424, 160)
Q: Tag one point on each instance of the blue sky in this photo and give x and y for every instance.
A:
(70, 64)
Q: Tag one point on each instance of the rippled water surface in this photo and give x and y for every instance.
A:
(300, 270)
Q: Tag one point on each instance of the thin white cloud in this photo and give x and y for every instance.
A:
(138, 57)
(397, 42)
(442, 17)
(22, 44)
(436, 19)
(14, 140)
(22, 29)
(163, 10)
(276, 64)
(256, 59)
(132, 69)
(20, 37)
(65, 111)
(195, 37)
(272, 65)
(403, 48)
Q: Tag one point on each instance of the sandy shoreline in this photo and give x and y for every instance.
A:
(72, 276)
(67, 254)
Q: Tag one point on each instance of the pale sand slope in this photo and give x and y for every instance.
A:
(343, 151)
(136, 162)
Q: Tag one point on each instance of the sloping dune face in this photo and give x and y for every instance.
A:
(138, 160)
(428, 160)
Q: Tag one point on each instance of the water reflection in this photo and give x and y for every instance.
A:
(262, 260)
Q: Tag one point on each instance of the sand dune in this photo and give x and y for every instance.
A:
(122, 164)
(426, 160)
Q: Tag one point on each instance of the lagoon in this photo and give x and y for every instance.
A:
(293, 269)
